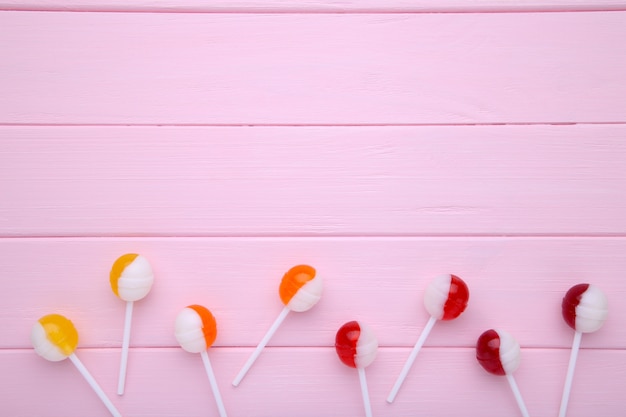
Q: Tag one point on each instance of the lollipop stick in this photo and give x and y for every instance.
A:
(213, 382)
(570, 373)
(94, 385)
(121, 382)
(365, 392)
(517, 394)
(259, 348)
(411, 359)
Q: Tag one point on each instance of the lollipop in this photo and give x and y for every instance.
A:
(196, 331)
(357, 346)
(131, 279)
(54, 338)
(445, 299)
(499, 353)
(585, 309)
(300, 289)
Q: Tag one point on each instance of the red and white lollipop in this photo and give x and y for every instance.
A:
(584, 308)
(445, 298)
(499, 354)
(195, 331)
(299, 290)
(357, 346)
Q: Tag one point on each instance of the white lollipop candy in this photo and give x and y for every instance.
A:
(357, 346)
(499, 354)
(196, 330)
(55, 338)
(445, 298)
(131, 280)
(300, 289)
(584, 308)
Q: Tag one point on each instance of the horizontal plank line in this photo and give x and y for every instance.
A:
(327, 11)
(327, 237)
(306, 125)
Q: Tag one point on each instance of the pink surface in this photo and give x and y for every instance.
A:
(313, 6)
(421, 68)
(381, 148)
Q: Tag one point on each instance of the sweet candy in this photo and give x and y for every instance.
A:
(300, 289)
(585, 309)
(357, 346)
(195, 331)
(55, 338)
(445, 298)
(499, 354)
(131, 279)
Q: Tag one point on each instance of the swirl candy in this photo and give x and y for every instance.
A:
(499, 354)
(445, 298)
(300, 289)
(357, 346)
(131, 279)
(55, 338)
(584, 308)
(195, 331)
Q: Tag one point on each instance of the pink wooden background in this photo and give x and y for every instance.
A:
(383, 142)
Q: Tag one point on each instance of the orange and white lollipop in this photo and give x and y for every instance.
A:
(196, 330)
(300, 289)
(55, 338)
(131, 280)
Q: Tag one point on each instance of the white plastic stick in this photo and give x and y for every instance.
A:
(259, 348)
(121, 382)
(365, 392)
(570, 373)
(94, 385)
(517, 394)
(213, 382)
(409, 362)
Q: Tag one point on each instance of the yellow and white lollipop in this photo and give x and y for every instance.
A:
(55, 338)
(131, 280)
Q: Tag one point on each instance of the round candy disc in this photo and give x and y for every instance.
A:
(300, 288)
(446, 297)
(195, 328)
(54, 337)
(356, 344)
(131, 277)
(585, 308)
(498, 352)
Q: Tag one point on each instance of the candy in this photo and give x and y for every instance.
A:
(357, 346)
(499, 354)
(300, 289)
(585, 309)
(445, 298)
(195, 331)
(55, 338)
(131, 279)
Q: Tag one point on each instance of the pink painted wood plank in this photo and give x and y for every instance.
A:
(515, 283)
(311, 382)
(142, 68)
(312, 180)
(319, 6)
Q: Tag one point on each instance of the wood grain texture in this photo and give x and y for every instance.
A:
(515, 284)
(520, 180)
(312, 382)
(160, 68)
(382, 142)
(317, 6)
